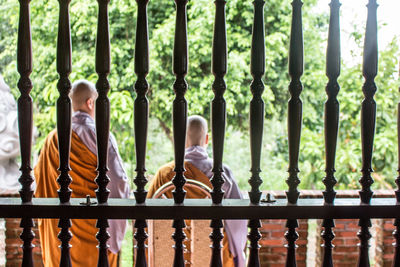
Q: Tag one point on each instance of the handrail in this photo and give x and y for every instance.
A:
(343, 208)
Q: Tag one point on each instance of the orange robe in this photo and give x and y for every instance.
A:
(165, 174)
(84, 252)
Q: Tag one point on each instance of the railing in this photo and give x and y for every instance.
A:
(179, 209)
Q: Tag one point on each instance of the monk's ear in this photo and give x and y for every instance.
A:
(90, 103)
(206, 141)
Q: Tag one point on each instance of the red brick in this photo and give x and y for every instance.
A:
(271, 226)
(278, 235)
(389, 226)
(345, 234)
(351, 241)
(352, 226)
(272, 242)
(278, 250)
(346, 249)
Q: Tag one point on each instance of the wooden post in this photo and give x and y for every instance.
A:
(256, 124)
(331, 125)
(25, 122)
(102, 124)
(141, 114)
(294, 123)
(179, 121)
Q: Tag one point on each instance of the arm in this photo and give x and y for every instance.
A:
(236, 230)
(119, 188)
(119, 184)
(230, 186)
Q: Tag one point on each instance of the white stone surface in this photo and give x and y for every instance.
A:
(9, 143)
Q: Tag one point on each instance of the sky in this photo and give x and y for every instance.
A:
(355, 12)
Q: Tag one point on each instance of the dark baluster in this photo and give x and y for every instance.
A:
(64, 67)
(364, 235)
(254, 236)
(65, 236)
(328, 236)
(397, 192)
(141, 103)
(332, 104)
(396, 234)
(216, 236)
(141, 121)
(368, 116)
(25, 117)
(368, 110)
(102, 236)
(256, 123)
(179, 110)
(291, 237)
(257, 104)
(102, 101)
(25, 122)
(140, 237)
(294, 123)
(295, 104)
(218, 106)
(179, 236)
(27, 236)
(218, 119)
(102, 123)
(331, 125)
(179, 120)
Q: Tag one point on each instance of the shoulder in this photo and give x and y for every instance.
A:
(166, 169)
(51, 138)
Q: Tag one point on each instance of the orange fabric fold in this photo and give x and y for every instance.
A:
(83, 162)
(165, 174)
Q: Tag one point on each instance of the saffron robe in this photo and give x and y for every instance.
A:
(84, 252)
(165, 174)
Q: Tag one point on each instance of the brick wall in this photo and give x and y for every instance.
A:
(384, 243)
(13, 244)
(272, 252)
(345, 252)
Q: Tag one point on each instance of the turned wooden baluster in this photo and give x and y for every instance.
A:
(294, 123)
(218, 120)
(27, 236)
(368, 116)
(254, 236)
(396, 233)
(179, 116)
(64, 67)
(331, 125)
(257, 103)
(141, 124)
(257, 68)
(102, 124)
(141, 103)
(179, 121)
(25, 123)
(140, 237)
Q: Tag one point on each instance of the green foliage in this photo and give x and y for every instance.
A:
(122, 16)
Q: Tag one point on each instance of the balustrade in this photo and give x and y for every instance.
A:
(292, 208)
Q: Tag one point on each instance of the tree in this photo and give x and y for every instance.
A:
(239, 14)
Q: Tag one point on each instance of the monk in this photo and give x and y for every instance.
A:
(199, 167)
(83, 162)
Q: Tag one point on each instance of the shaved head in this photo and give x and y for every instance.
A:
(197, 131)
(81, 92)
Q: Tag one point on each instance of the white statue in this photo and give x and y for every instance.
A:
(9, 141)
